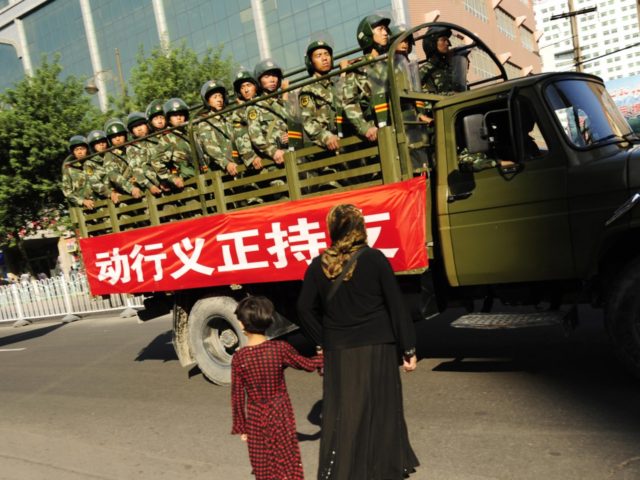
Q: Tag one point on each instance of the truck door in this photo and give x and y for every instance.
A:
(506, 219)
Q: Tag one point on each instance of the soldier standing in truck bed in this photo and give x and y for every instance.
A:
(365, 89)
(115, 162)
(74, 181)
(94, 169)
(139, 154)
(215, 133)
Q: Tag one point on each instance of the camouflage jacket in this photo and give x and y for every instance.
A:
(474, 162)
(241, 135)
(320, 107)
(118, 171)
(267, 122)
(96, 174)
(74, 182)
(436, 76)
(215, 136)
(364, 96)
(173, 157)
(139, 156)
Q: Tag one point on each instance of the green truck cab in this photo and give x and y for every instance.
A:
(542, 216)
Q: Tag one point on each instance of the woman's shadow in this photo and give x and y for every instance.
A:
(315, 418)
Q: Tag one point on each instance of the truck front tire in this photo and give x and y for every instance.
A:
(622, 317)
(214, 335)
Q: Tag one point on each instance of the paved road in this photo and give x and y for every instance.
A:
(105, 398)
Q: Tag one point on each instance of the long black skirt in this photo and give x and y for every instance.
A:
(364, 434)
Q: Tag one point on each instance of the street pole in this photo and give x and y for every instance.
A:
(571, 15)
(123, 87)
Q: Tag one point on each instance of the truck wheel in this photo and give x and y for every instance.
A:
(622, 317)
(214, 335)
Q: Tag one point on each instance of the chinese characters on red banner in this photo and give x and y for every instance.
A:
(258, 245)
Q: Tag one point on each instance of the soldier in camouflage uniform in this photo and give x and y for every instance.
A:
(172, 160)
(407, 77)
(267, 119)
(215, 134)
(94, 169)
(155, 116)
(139, 154)
(365, 89)
(321, 105)
(246, 88)
(74, 182)
(115, 162)
(436, 72)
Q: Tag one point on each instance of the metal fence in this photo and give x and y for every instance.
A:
(57, 296)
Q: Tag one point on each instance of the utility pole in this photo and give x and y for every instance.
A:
(571, 15)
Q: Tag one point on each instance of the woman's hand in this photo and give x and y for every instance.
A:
(243, 437)
(409, 364)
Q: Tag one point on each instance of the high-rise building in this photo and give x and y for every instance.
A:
(607, 38)
(86, 33)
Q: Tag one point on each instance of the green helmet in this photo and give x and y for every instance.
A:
(154, 108)
(209, 88)
(242, 76)
(114, 126)
(365, 33)
(96, 136)
(430, 39)
(77, 140)
(265, 66)
(397, 30)
(175, 105)
(134, 119)
(312, 47)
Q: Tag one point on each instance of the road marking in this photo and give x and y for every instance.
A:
(11, 349)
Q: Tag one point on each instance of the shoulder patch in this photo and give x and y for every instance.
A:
(89, 171)
(252, 114)
(304, 100)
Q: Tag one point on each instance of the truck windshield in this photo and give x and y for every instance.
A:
(587, 114)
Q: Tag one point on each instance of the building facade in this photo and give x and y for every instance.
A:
(607, 39)
(86, 33)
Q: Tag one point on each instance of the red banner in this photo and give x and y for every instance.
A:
(265, 244)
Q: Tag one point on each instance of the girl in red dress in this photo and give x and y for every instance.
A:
(262, 411)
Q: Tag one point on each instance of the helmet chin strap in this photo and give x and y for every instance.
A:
(381, 49)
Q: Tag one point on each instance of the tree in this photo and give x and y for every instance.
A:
(37, 117)
(176, 73)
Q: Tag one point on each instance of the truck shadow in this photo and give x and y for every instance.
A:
(28, 335)
(160, 348)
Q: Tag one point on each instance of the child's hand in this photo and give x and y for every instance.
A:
(243, 437)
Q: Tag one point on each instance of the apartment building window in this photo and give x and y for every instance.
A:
(506, 23)
(526, 37)
(477, 8)
(482, 65)
(513, 71)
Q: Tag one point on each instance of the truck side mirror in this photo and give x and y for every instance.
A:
(475, 138)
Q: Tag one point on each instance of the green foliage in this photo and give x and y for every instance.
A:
(37, 118)
(176, 73)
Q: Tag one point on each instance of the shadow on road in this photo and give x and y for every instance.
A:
(315, 418)
(160, 348)
(35, 333)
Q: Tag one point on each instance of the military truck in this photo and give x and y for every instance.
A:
(547, 223)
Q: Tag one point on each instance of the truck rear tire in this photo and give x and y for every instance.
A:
(622, 317)
(214, 335)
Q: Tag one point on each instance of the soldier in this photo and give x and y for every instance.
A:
(115, 163)
(215, 134)
(408, 78)
(436, 72)
(246, 88)
(74, 182)
(365, 89)
(267, 119)
(319, 101)
(172, 161)
(94, 169)
(155, 116)
(140, 154)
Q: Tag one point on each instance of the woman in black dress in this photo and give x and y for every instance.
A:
(363, 328)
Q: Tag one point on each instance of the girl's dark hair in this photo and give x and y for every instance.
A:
(255, 313)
